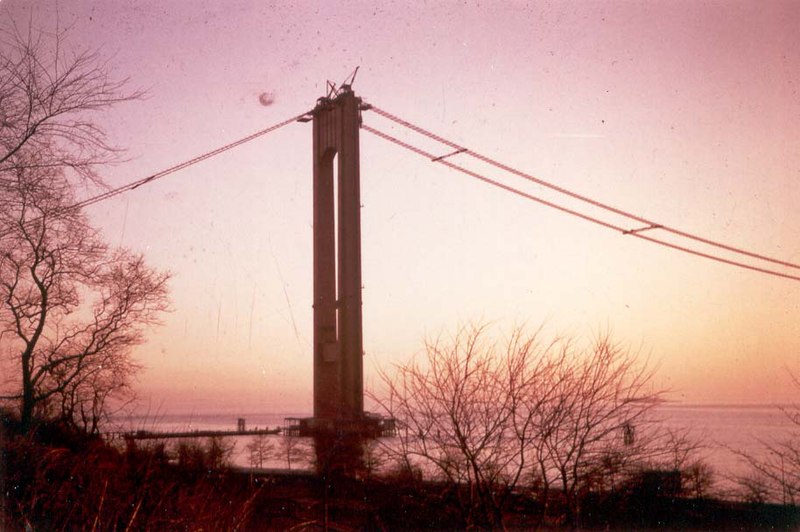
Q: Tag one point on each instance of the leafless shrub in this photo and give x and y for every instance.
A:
(775, 472)
(697, 478)
(96, 487)
(682, 451)
(753, 488)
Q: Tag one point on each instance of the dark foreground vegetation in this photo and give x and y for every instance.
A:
(56, 479)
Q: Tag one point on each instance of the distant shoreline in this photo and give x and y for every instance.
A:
(730, 406)
(237, 414)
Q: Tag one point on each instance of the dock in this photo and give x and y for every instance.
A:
(241, 430)
(152, 435)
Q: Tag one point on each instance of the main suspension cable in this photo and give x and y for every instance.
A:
(569, 211)
(650, 224)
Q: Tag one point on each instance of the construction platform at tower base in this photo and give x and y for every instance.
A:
(368, 426)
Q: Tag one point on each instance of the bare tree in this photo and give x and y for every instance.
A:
(48, 97)
(374, 457)
(486, 418)
(463, 418)
(218, 452)
(259, 450)
(682, 451)
(292, 449)
(204, 456)
(72, 308)
(593, 420)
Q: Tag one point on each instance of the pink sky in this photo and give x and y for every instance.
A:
(686, 112)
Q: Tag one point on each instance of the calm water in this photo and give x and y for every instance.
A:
(721, 427)
(726, 429)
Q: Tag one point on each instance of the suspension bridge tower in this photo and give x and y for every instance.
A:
(338, 344)
(339, 424)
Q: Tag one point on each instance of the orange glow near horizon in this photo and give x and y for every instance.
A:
(687, 113)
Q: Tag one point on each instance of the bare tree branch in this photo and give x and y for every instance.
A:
(48, 98)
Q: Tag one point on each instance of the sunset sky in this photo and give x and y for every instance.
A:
(684, 112)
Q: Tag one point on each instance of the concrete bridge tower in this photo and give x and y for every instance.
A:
(339, 425)
(338, 348)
